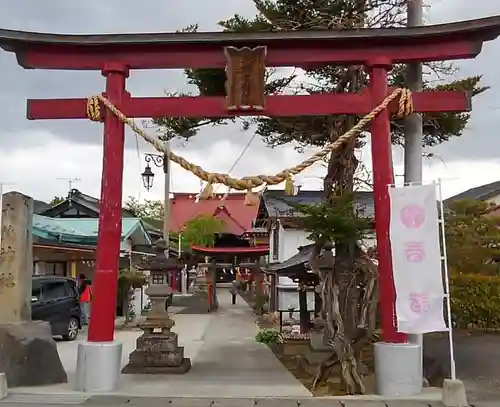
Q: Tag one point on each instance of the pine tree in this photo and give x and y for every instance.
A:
(345, 302)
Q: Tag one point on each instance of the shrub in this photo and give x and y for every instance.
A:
(269, 336)
(475, 301)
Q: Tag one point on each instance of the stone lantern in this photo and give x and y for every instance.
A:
(157, 349)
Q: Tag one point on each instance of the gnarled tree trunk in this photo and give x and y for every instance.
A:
(349, 289)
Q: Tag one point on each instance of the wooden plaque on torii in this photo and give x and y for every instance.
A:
(246, 78)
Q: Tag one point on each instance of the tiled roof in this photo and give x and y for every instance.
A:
(72, 230)
(238, 216)
(275, 202)
(40, 206)
(78, 198)
(482, 192)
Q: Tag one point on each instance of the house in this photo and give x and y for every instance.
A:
(488, 193)
(67, 246)
(78, 205)
(285, 232)
(289, 245)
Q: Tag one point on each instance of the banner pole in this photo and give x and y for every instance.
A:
(447, 284)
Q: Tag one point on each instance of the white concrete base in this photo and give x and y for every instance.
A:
(454, 393)
(98, 366)
(3, 385)
(398, 369)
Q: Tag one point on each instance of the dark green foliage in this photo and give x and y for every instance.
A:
(472, 238)
(279, 15)
(333, 219)
(475, 301)
(336, 219)
(269, 336)
(57, 200)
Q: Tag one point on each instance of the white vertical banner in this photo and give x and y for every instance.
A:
(416, 259)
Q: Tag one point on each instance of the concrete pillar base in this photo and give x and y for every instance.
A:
(98, 366)
(3, 386)
(454, 393)
(398, 369)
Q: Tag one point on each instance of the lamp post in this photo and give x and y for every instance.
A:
(159, 160)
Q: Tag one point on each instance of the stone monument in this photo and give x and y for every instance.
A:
(157, 349)
(28, 353)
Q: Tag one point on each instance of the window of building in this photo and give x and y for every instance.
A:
(42, 268)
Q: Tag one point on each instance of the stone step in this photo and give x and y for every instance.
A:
(117, 400)
(25, 398)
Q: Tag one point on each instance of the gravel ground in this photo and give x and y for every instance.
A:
(477, 358)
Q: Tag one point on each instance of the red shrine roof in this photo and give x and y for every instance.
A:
(238, 216)
(263, 250)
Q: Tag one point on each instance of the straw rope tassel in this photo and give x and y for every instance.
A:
(289, 185)
(208, 190)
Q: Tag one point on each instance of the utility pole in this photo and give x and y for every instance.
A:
(166, 206)
(413, 126)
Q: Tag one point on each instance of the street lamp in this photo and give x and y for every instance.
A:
(147, 178)
(159, 160)
(148, 175)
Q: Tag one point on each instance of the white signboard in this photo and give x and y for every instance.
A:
(416, 257)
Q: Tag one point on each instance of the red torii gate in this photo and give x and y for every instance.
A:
(115, 55)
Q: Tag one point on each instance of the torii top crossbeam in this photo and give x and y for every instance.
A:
(202, 50)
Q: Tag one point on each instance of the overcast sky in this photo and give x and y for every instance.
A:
(34, 155)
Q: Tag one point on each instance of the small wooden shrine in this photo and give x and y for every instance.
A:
(238, 254)
(298, 269)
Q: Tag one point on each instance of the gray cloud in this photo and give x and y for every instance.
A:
(95, 16)
(91, 17)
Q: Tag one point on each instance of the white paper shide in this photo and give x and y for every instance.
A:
(416, 257)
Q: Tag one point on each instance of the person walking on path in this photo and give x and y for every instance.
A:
(234, 291)
(85, 290)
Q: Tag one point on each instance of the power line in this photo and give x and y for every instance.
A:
(238, 159)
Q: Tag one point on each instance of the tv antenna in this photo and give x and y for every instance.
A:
(70, 181)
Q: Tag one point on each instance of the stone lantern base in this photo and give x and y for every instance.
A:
(157, 351)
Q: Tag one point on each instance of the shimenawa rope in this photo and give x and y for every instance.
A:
(405, 108)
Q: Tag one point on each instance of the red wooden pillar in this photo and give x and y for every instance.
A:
(105, 286)
(383, 176)
(173, 280)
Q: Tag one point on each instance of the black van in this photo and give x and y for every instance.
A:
(55, 300)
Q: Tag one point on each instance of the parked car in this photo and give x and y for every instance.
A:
(55, 300)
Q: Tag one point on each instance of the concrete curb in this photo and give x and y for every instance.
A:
(454, 394)
(3, 385)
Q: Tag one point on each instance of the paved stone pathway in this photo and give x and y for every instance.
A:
(226, 361)
(231, 364)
